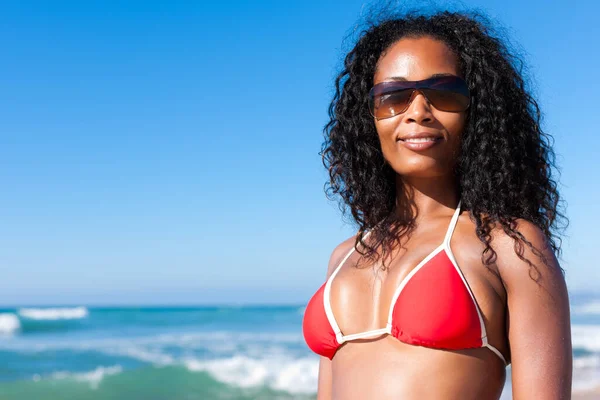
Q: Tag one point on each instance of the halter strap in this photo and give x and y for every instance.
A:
(452, 225)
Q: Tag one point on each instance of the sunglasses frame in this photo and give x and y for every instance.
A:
(449, 83)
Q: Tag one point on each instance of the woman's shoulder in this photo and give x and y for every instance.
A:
(525, 254)
(515, 259)
(339, 252)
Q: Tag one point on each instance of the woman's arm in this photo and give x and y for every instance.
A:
(538, 321)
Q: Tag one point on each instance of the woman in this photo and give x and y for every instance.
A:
(435, 147)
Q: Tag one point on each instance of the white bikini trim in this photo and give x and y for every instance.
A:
(388, 329)
(460, 273)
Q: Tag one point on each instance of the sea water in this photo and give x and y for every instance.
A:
(172, 353)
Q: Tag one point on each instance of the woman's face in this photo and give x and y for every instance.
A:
(415, 60)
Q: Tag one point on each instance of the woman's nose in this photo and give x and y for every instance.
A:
(419, 109)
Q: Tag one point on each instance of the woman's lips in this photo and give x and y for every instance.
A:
(419, 144)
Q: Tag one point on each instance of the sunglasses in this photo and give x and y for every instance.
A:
(446, 93)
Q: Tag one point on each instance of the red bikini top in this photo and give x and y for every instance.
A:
(432, 307)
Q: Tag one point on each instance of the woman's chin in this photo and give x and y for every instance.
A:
(422, 171)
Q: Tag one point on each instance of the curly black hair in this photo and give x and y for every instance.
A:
(506, 164)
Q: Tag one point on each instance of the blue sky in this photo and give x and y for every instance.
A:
(167, 152)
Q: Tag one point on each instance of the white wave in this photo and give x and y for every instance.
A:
(592, 308)
(9, 324)
(54, 313)
(164, 349)
(586, 362)
(290, 375)
(586, 337)
(585, 380)
(586, 369)
(92, 377)
(141, 354)
(199, 340)
(299, 376)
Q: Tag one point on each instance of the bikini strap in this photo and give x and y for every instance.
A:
(452, 226)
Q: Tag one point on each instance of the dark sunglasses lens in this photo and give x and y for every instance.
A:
(390, 104)
(445, 100)
(388, 99)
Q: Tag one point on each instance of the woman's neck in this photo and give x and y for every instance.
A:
(423, 198)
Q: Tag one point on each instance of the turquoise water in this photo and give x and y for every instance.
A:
(188, 352)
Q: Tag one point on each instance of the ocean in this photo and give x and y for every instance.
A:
(177, 353)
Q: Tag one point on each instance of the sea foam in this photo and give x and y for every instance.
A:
(290, 375)
(92, 377)
(586, 337)
(54, 313)
(9, 324)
